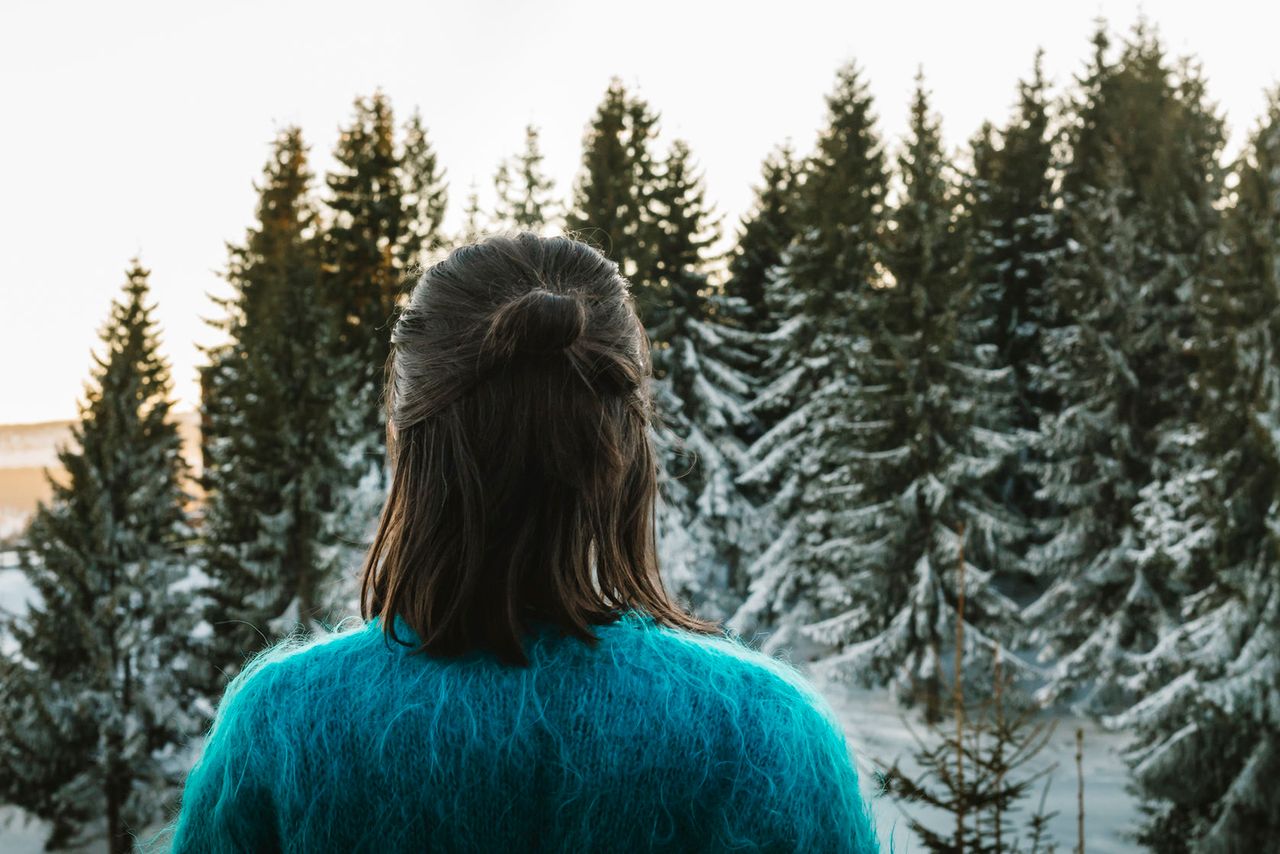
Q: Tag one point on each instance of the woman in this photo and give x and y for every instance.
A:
(523, 681)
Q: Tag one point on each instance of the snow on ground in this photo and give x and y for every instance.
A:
(21, 833)
(15, 592)
(874, 725)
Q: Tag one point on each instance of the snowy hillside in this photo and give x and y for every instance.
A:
(32, 445)
(26, 450)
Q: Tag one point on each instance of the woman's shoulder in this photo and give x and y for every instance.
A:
(280, 668)
(725, 662)
(650, 657)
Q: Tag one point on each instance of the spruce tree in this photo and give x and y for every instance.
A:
(610, 207)
(797, 473)
(1010, 237)
(1138, 211)
(282, 444)
(1012, 230)
(94, 702)
(424, 195)
(975, 770)
(701, 391)
(915, 464)
(473, 220)
(765, 233)
(367, 224)
(1207, 737)
(385, 205)
(525, 200)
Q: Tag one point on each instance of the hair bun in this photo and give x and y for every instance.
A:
(539, 322)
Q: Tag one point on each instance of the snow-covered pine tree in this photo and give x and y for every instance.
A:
(473, 218)
(424, 194)
(94, 703)
(797, 478)
(756, 258)
(916, 457)
(384, 208)
(763, 235)
(366, 224)
(701, 389)
(382, 219)
(1012, 232)
(1138, 210)
(525, 192)
(1009, 225)
(280, 538)
(1208, 740)
(610, 207)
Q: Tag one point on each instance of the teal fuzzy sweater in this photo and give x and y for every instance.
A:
(658, 739)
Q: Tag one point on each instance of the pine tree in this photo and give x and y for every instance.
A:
(764, 235)
(279, 532)
(525, 200)
(473, 224)
(1208, 740)
(701, 392)
(1138, 202)
(755, 260)
(94, 703)
(1010, 236)
(1010, 203)
(385, 206)
(974, 770)
(916, 461)
(367, 226)
(424, 195)
(797, 468)
(611, 207)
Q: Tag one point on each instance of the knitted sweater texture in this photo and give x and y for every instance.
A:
(656, 739)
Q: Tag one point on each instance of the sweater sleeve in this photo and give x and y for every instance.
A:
(226, 802)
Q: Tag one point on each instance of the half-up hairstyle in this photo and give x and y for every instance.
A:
(524, 478)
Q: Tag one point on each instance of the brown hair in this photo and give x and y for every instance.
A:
(524, 477)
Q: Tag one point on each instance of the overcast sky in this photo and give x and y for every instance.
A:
(132, 127)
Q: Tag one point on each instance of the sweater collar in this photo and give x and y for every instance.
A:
(402, 630)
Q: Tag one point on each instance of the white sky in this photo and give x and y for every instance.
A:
(132, 127)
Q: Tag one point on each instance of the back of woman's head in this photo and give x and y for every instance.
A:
(523, 472)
